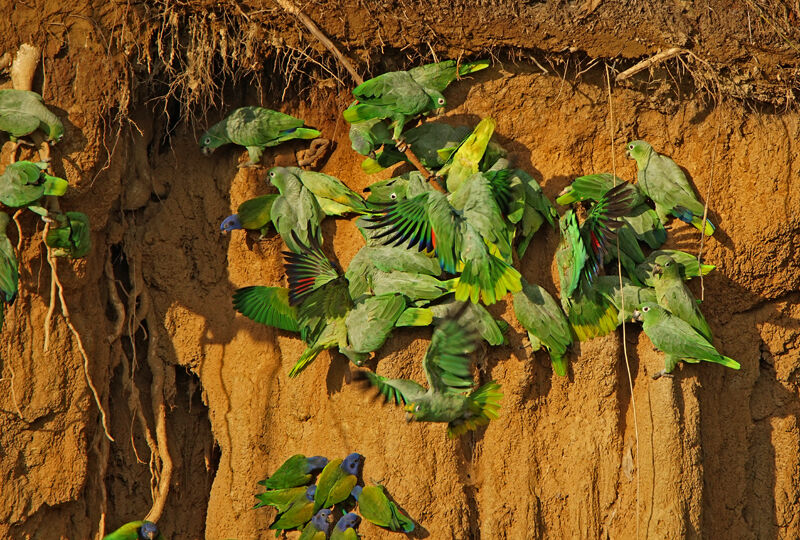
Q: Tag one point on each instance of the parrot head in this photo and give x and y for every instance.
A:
(56, 132)
(316, 463)
(642, 313)
(437, 99)
(418, 410)
(277, 177)
(231, 223)
(310, 492)
(665, 266)
(640, 151)
(148, 531)
(322, 520)
(213, 139)
(352, 463)
(387, 191)
(347, 521)
(356, 492)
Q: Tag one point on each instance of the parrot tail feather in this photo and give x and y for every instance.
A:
(568, 198)
(698, 223)
(362, 111)
(489, 283)
(308, 356)
(559, 363)
(371, 166)
(300, 133)
(55, 186)
(597, 323)
(484, 406)
(706, 268)
(729, 362)
(472, 67)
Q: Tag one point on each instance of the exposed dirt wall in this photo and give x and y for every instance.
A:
(718, 451)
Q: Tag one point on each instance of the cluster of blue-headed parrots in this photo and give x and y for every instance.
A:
(441, 243)
(324, 509)
(23, 184)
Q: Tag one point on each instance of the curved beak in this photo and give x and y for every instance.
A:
(207, 151)
(636, 315)
(657, 269)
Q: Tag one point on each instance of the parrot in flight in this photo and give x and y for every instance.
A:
(449, 397)
(375, 507)
(543, 319)
(664, 182)
(465, 231)
(22, 112)
(345, 528)
(295, 213)
(318, 527)
(674, 296)
(255, 128)
(298, 514)
(677, 339)
(253, 215)
(23, 183)
(296, 471)
(402, 95)
(71, 236)
(9, 272)
(136, 530)
(337, 480)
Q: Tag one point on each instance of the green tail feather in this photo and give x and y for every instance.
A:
(305, 133)
(697, 221)
(472, 67)
(729, 362)
(308, 356)
(706, 268)
(484, 404)
(415, 317)
(489, 284)
(55, 186)
(559, 363)
(567, 198)
(361, 112)
(599, 322)
(371, 166)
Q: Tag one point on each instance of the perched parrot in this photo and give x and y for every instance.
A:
(375, 507)
(71, 237)
(298, 514)
(9, 273)
(335, 198)
(402, 95)
(398, 188)
(664, 182)
(642, 220)
(345, 528)
(688, 266)
(545, 323)
(625, 300)
(677, 339)
(253, 214)
(255, 128)
(295, 212)
(536, 209)
(467, 237)
(22, 112)
(281, 499)
(23, 183)
(466, 160)
(580, 256)
(318, 527)
(432, 142)
(337, 479)
(447, 368)
(368, 136)
(674, 296)
(136, 530)
(296, 471)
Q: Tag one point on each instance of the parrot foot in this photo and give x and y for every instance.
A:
(401, 146)
(662, 373)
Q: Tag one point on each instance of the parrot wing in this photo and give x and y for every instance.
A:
(446, 362)
(267, 305)
(545, 323)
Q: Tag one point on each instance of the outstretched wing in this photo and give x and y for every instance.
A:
(601, 226)
(397, 391)
(267, 305)
(446, 362)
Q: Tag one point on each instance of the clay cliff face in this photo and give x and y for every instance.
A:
(179, 373)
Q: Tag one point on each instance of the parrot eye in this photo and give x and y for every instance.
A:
(440, 101)
(646, 309)
(631, 147)
(416, 408)
(393, 196)
(207, 140)
(272, 174)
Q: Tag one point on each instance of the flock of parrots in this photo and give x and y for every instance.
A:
(441, 242)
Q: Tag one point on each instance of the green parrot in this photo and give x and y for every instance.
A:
(296, 471)
(295, 212)
(447, 369)
(255, 128)
(71, 237)
(474, 316)
(253, 214)
(281, 499)
(642, 219)
(298, 514)
(432, 142)
(345, 528)
(375, 507)
(631, 295)
(402, 95)
(674, 296)
(664, 182)
(536, 209)
(468, 237)
(136, 530)
(9, 273)
(398, 188)
(335, 198)
(337, 479)
(688, 266)
(368, 136)
(677, 339)
(466, 160)
(318, 527)
(580, 256)
(372, 265)
(23, 183)
(545, 323)
(22, 112)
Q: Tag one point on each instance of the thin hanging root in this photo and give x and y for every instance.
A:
(19, 229)
(79, 342)
(160, 414)
(48, 319)
(705, 216)
(102, 447)
(649, 62)
(115, 300)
